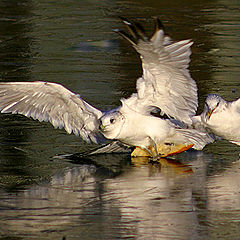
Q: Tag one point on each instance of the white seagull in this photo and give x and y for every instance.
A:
(221, 117)
(165, 87)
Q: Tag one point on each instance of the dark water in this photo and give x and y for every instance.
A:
(112, 197)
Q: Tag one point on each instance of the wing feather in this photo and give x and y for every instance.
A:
(52, 103)
(237, 105)
(166, 82)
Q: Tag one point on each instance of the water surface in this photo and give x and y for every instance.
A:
(197, 196)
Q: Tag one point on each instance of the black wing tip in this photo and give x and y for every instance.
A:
(159, 24)
(136, 31)
(128, 37)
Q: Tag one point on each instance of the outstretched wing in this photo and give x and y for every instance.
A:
(51, 102)
(166, 82)
(112, 147)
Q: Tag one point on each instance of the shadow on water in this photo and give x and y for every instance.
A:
(194, 196)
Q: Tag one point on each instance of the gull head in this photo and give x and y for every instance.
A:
(111, 123)
(213, 104)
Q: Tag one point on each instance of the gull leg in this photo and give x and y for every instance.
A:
(149, 151)
(155, 147)
(152, 143)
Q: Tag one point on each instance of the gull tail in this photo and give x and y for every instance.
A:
(195, 137)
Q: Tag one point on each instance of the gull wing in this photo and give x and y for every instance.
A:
(166, 82)
(112, 147)
(51, 102)
(238, 143)
(236, 104)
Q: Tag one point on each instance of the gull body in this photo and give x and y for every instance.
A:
(165, 87)
(133, 128)
(221, 117)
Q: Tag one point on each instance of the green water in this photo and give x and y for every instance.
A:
(110, 197)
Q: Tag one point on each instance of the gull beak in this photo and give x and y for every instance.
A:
(209, 114)
(101, 127)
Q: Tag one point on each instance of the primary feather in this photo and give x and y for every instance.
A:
(166, 82)
(51, 102)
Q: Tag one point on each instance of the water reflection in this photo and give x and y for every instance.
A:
(113, 198)
(126, 198)
(229, 183)
(166, 200)
(149, 200)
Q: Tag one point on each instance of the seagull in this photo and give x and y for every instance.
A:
(221, 117)
(158, 113)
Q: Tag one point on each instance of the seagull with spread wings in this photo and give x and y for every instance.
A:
(159, 113)
(221, 117)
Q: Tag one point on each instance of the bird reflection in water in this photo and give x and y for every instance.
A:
(165, 165)
(136, 193)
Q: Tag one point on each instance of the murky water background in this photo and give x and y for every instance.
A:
(112, 197)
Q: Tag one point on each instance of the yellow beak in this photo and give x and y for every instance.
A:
(101, 127)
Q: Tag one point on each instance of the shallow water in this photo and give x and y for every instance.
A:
(197, 196)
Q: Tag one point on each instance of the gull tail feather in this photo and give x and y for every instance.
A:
(195, 137)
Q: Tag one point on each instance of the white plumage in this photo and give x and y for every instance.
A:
(165, 86)
(166, 82)
(221, 117)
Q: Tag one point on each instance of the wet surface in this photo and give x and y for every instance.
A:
(196, 196)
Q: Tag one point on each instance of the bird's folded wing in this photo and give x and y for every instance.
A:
(166, 82)
(51, 102)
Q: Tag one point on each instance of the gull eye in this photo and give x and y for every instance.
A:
(112, 120)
